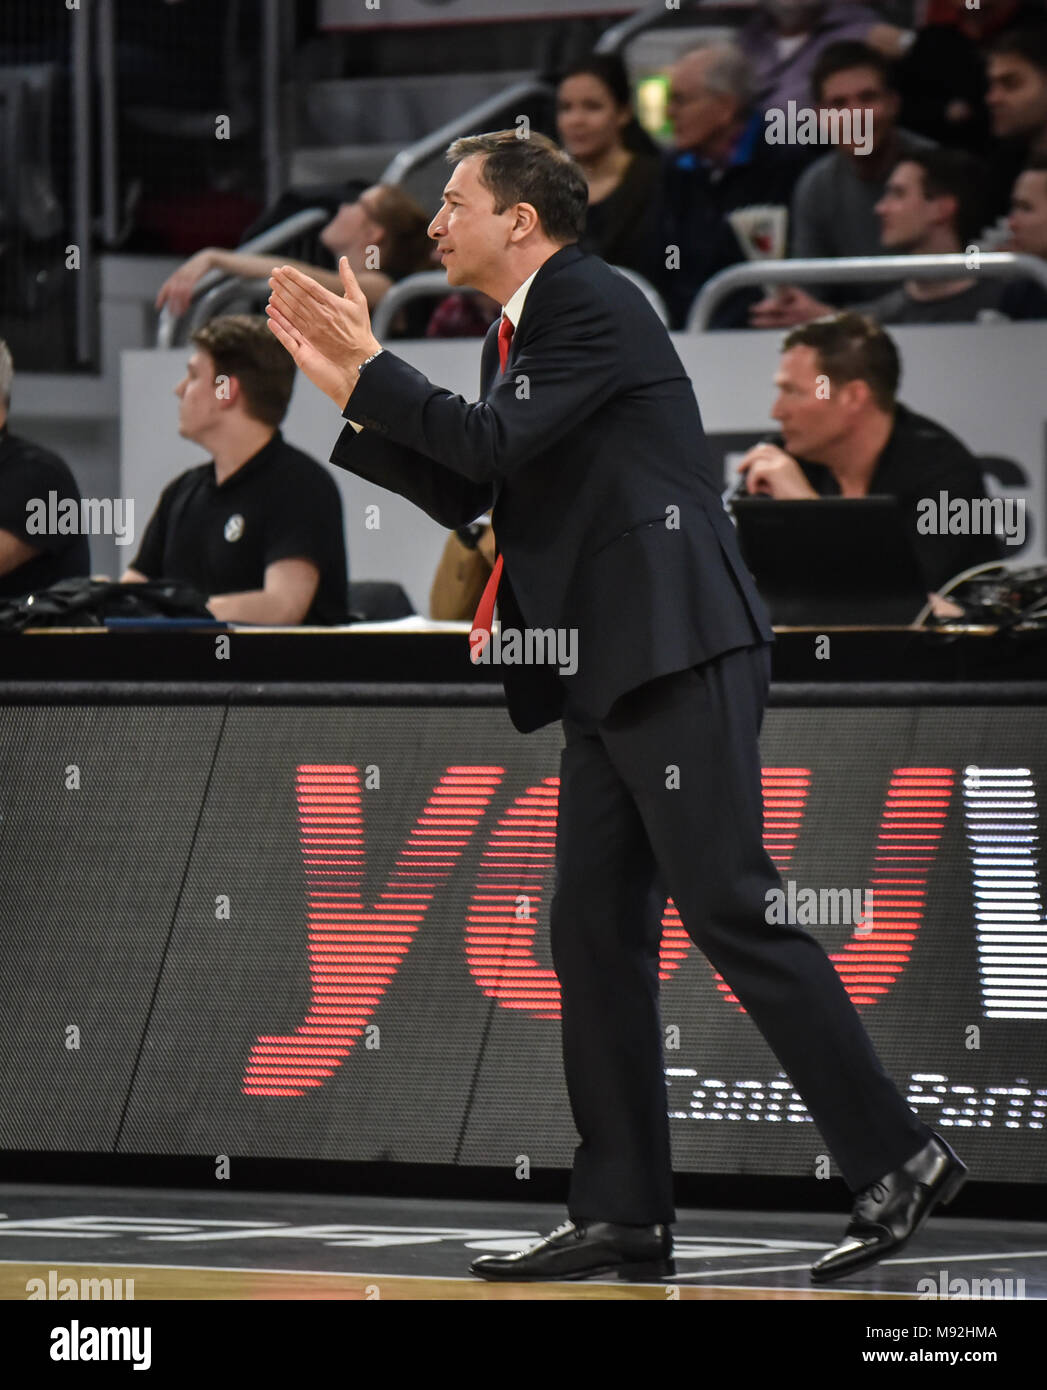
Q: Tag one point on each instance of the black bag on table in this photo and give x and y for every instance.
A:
(86, 602)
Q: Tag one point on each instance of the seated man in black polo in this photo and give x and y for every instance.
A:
(258, 528)
(845, 435)
(32, 559)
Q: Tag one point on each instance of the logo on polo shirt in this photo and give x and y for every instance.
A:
(234, 527)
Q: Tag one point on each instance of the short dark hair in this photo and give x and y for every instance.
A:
(852, 347)
(531, 169)
(244, 346)
(847, 54)
(954, 174)
(1028, 41)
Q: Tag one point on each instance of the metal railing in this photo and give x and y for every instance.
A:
(173, 330)
(272, 20)
(432, 284)
(857, 269)
(427, 284)
(413, 156)
(613, 40)
(277, 28)
(108, 101)
(87, 322)
(218, 300)
(652, 296)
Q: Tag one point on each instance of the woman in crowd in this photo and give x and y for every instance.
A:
(597, 126)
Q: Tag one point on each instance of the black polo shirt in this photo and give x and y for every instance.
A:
(28, 473)
(922, 459)
(279, 505)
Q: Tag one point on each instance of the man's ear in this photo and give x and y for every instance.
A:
(731, 108)
(952, 206)
(855, 395)
(526, 221)
(227, 391)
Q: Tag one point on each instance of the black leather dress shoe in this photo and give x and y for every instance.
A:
(582, 1250)
(888, 1212)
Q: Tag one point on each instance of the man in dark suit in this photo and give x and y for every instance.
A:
(588, 444)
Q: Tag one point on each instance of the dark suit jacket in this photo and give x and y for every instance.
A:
(605, 507)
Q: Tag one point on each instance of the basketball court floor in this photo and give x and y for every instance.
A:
(187, 1244)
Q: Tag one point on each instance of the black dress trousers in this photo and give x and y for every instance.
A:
(624, 840)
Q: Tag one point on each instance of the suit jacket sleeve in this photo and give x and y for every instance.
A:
(566, 366)
(442, 494)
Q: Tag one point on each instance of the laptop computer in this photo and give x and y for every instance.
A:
(831, 561)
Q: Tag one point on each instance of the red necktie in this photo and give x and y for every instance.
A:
(485, 609)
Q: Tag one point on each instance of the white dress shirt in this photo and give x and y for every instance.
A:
(514, 308)
(512, 311)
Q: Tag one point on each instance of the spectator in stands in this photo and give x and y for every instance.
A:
(858, 439)
(1017, 100)
(383, 233)
(940, 75)
(721, 164)
(984, 21)
(940, 67)
(31, 559)
(834, 207)
(785, 38)
(1027, 299)
(934, 204)
(596, 125)
(258, 528)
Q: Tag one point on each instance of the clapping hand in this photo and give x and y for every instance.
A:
(328, 337)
